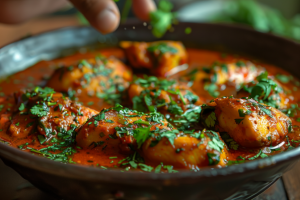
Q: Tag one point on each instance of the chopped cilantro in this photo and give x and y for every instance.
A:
(238, 121)
(233, 162)
(224, 68)
(41, 138)
(262, 155)
(212, 88)
(187, 30)
(100, 116)
(140, 121)
(229, 141)
(174, 108)
(259, 154)
(213, 159)
(162, 19)
(141, 135)
(296, 141)
(51, 103)
(158, 169)
(96, 144)
(145, 167)
(283, 78)
(216, 144)
(162, 48)
(210, 121)
(85, 63)
(170, 135)
(22, 107)
(240, 64)
(90, 103)
(265, 110)
(170, 168)
(262, 76)
(60, 107)
(290, 127)
(243, 113)
(133, 164)
(40, 110)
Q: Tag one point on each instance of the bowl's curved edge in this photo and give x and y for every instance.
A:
(73, 171)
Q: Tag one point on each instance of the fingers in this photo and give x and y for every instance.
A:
(142, 8)
(17, 11)
(102, 14)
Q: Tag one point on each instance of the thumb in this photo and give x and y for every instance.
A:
(102, 14)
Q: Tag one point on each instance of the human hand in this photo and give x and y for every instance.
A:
(102, 14)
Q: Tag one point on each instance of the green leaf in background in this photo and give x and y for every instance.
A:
(260, 17)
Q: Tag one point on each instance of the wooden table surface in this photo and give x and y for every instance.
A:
(12, 186)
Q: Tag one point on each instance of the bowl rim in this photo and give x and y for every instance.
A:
(115, 175)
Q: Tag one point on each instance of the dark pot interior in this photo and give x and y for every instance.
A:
(242, 181)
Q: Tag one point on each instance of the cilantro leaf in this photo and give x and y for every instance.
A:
(96, 144)
(262, 155)
(157, 169)
(138, 104)
(22, 107)
(145, 167)
(216, 144)
(262, 76)
(171, 135)
(140, 121)
(44, 92)
(41, 138)
(213, 159)
(192, 98)
(256, 156)
(175, 109)
(265, 110)
(282, 78)
(162, 48)
(40, 110)
(100, 116)
(133, 164)
(243, 113)
(238, 121)
(161, 19)
(224, 68)
(229, 141)
(233, 162)
(210, 121)
(212, 89)
(141, 135)
(170, 168)
(240, 63)
(187, 30)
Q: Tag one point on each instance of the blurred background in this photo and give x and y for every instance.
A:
(276, 16)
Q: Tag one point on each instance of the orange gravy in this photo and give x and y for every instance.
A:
(109, 156)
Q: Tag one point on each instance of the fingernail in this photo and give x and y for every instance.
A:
(107, 21)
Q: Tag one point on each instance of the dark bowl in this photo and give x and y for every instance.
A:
(243, 181)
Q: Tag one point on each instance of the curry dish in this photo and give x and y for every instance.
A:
(154, 107)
